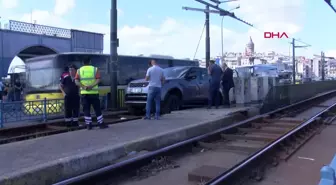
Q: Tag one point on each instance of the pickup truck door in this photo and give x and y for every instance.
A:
(203, 84)
(192, 92)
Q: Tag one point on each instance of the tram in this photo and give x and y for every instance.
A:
(43, 73)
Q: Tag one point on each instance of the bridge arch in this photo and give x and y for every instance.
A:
(34, 51)
(17, 63)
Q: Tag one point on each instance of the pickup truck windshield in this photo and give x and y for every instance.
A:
(174, 72)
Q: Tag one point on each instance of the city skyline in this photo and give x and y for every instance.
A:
(149, 27)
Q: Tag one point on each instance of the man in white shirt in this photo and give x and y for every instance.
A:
(156, 78)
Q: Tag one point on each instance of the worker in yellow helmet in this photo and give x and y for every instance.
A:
(88, 78)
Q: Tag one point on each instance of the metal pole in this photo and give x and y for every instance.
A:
(207, 37)
(114, 54)
(322, 66)
(222, 40)
(294, 63)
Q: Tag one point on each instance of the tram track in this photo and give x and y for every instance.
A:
(52, 127)
(239, 153)
(9, 135)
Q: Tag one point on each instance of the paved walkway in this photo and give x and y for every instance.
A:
(24, 156)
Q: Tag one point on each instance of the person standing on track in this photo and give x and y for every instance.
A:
(71, 96)
(156, 78)
(88, 78)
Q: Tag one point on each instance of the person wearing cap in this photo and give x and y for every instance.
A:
(88, 78)
(71, 96)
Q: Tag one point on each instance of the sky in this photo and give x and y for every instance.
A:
(163, 27)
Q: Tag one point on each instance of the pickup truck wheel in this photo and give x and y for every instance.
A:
(172, 103)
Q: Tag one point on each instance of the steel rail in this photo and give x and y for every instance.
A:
(54, 131)
(226, 176)
(81, 179)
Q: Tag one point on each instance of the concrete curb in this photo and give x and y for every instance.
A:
(64, 168)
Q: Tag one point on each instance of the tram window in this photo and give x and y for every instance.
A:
(163, 63)
(66, 60)
(128, 70)
(101, 63)
(179, 63)
(170, 63)
(43, 63)
(142, 64)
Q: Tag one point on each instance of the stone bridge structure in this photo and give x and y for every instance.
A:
(27, 40)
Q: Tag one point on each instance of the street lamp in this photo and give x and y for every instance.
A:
(222, 40)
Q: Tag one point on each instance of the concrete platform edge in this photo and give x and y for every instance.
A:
(64, 168)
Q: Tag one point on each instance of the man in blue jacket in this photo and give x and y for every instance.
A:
(215, 73)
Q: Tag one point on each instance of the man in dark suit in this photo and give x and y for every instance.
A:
(215, 73)
(227, 83)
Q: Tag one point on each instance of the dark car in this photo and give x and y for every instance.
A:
(184, 86)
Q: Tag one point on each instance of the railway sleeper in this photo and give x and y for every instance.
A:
(291, 120)
(275, 125)
(281, 122)
(209, 146)
(297, 144)
(265, 138)
(265, 130)
(205, 173)
(321, 105)
(244, 146)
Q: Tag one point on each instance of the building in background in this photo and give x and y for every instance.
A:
(305, 68)
(332, 68)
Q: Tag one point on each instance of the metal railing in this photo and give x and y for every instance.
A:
(43, 110)
(283, 95)
(39, 29)
(39, 110)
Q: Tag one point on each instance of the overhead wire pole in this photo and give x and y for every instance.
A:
(331, 6)
(322, 66)
(323, 57)
(113, 64)
(207, 37)
(207, 12)
(293, 55)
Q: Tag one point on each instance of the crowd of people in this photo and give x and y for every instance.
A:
(11, 92)
(219, 76)
(81, 85)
